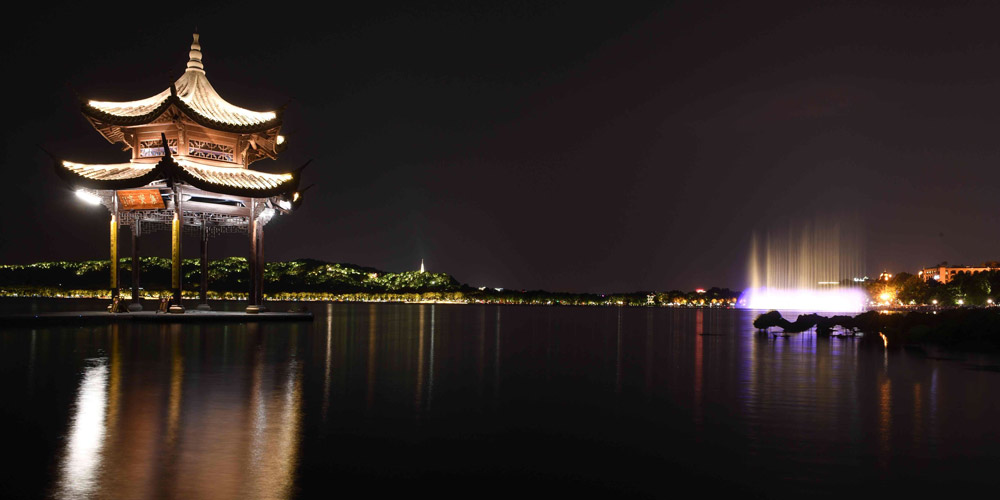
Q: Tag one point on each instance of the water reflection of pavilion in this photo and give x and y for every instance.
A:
(137, 433)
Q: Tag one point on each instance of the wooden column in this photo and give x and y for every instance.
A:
(114, 254)
(259, 261)
(203, 289)
(252, 258)
(136, 265)
(176, 228)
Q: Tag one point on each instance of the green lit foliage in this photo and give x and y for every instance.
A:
(230, 274)
(971, 289)
(911, 289)
(308, 279)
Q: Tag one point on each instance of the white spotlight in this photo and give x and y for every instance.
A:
(88, 197)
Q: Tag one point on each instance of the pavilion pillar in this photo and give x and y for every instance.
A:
(259, 261)
(114, 255)
(136, 304)
(203, 286)
(176, 229)
(255, 263)
(253, 306)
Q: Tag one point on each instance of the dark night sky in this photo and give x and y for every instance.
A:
(566, 146)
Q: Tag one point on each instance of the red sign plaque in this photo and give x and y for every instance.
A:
(140, 199)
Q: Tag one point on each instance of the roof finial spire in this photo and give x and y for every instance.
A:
(194, 63)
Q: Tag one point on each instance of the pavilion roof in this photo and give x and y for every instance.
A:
(194, 95)
(234, 178)
(233, 181)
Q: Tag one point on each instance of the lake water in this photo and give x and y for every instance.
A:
(485, 401)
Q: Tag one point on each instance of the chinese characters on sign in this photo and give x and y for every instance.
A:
(140, 199)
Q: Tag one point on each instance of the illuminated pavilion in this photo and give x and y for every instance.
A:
(189, 171)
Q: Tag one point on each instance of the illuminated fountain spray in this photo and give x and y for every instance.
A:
(812, 268)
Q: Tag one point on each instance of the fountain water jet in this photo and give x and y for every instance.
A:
(810, 268)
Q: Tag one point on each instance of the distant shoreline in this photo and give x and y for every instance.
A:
(415, 298)
(312, 280)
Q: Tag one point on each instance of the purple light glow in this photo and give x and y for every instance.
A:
(801, 299)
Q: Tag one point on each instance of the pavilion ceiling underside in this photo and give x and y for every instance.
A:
(225, 180)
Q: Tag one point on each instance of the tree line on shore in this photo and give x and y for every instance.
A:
(310, 279)
(976, 289)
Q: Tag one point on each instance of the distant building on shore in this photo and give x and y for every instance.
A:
(945, 273)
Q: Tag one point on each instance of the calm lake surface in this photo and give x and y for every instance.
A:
(484, 401)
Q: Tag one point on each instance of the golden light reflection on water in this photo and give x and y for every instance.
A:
(115, 387)
(885, 421)
(496, 363)
(219, 412)
(372, 320)
(81, 464)
(918, 413)
(326, 363)
(217, 442)
(176, 385)
(275, 451)
(430, 374)
(648, 366)
(699, 330)
(419, 392)
(481, 358)
(618, 354)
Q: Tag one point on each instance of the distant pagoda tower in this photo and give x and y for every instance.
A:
(191, 152)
